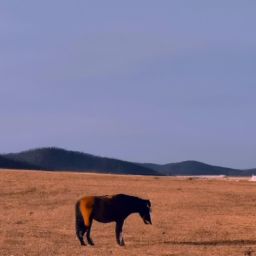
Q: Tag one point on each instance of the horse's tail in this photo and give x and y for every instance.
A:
(80, 226)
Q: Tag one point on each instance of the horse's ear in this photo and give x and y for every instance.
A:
(149, 203)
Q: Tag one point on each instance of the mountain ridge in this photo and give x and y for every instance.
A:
(192, 167)
(15, 164)
(59, 159)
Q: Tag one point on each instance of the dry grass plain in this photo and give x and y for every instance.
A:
(190, 216)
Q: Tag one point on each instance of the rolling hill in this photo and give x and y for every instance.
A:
(54, 159)
(57, 159)
(195, 168)
(16, 164)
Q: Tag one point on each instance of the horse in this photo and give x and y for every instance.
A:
(105, 209)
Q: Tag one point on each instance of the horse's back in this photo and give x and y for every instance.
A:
(106, 208)
(99, 208)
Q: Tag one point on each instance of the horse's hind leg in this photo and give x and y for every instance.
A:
(85, 210)
(80, 234)
(88, 224)
(90, 242)
(80, 230)
(80, 226)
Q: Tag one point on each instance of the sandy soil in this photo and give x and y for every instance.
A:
(190, 216)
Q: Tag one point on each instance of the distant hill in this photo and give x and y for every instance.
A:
(250, 172)
(195, 168)
(15, 164)
(57, 159)
(61, 159)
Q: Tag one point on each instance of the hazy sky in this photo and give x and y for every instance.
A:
(148, 81)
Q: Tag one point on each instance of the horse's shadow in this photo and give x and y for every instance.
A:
(212, 243)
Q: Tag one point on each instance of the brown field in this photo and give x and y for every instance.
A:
(190, 216)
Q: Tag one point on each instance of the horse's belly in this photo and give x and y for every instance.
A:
(103, 212)
(103, 216)
(103, 219)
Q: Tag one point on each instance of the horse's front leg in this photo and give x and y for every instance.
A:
(119, 232)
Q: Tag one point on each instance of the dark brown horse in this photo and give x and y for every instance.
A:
(107, 209)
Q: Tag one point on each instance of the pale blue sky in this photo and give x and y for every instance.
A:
(147, 81)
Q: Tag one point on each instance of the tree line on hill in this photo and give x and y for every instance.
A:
(57, 159)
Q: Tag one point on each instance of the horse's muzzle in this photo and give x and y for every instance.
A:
(147, 221)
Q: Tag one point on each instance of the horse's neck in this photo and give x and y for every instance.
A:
(133, 209)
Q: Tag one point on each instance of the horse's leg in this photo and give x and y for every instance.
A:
(90, 242)
(119, 235)
(80, 230)
(86, 213)
(80, 227)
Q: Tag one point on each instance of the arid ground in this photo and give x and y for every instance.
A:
(190, 216)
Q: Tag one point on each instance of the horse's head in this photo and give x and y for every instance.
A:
(145, 210)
